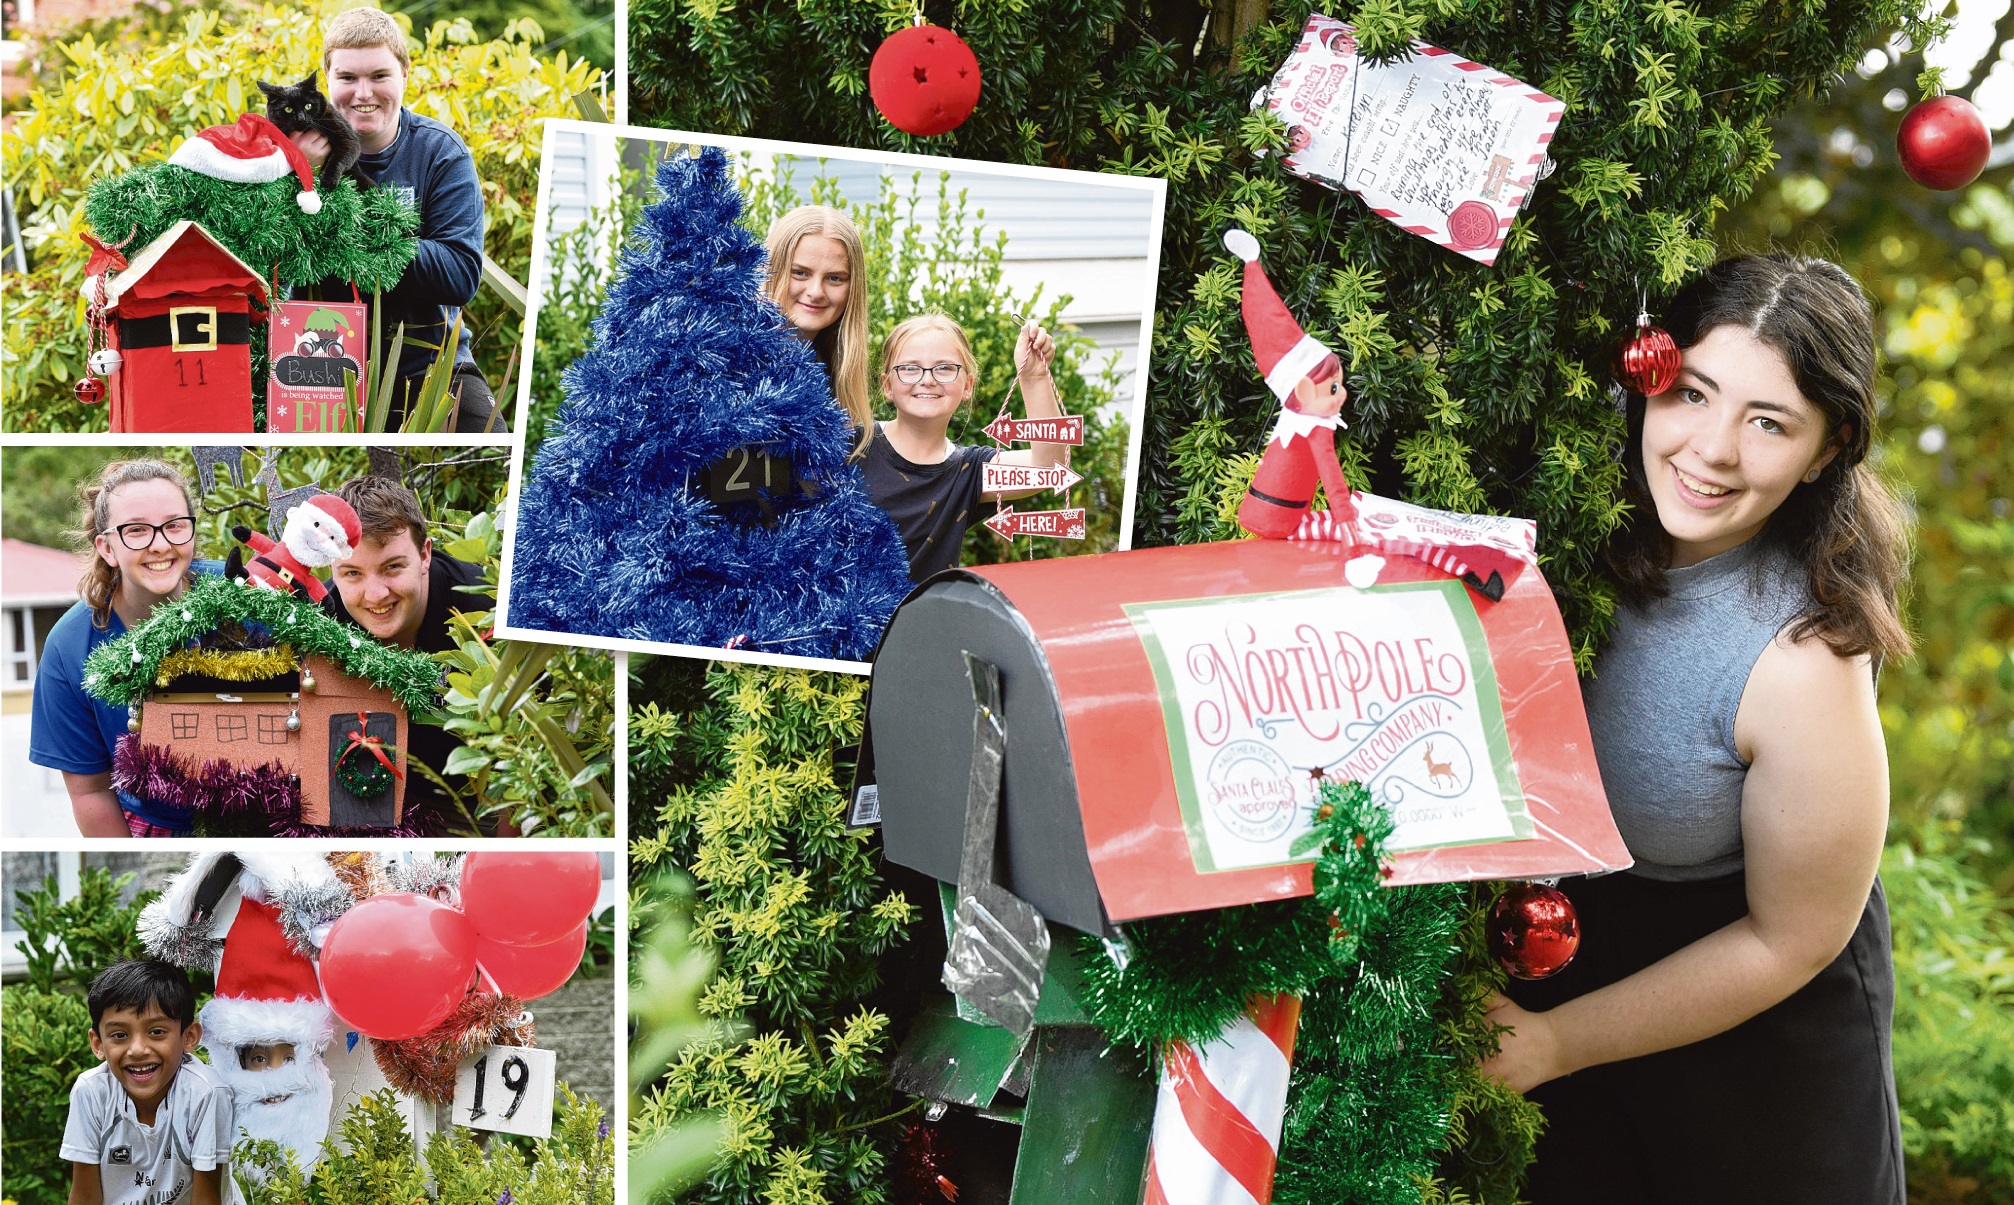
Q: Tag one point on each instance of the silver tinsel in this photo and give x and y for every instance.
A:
(307, 907)
(422, 875)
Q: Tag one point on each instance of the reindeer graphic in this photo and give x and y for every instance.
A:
(1437, 770)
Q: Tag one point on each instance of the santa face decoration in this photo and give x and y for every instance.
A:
(321, 531)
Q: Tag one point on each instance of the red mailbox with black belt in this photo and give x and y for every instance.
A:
(180, 318)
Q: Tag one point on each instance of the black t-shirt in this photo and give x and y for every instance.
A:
(932, 504)
(430, 743)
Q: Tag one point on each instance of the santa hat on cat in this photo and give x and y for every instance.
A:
(254, 151)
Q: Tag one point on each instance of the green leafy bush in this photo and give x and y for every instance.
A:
(67, 942)
(45, 1042)
(123, 96)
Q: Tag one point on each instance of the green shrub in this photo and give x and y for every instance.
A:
(1954, 1026)
(67, 942)
(120, 99)
(45, 1042)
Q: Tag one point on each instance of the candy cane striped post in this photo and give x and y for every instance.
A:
(1217, 1117)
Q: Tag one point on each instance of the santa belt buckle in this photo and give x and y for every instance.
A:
(168, 330)
(205, 324)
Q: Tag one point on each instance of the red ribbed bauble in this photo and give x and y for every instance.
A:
(1533, 931)
(90, 391)
(1648, 363)
(1943, 143)
(925, 80)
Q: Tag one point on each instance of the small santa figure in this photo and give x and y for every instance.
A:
(1308, 379)
(318, 533)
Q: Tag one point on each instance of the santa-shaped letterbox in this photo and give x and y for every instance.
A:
(1169, 715)
(179, 316)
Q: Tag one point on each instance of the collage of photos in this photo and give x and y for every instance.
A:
(1074, 603)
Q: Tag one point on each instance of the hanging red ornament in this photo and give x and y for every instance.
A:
(1533, 930)
(1943, 143)
(922, 1164)
(1648, 362)
(90, 391)
(925, 80)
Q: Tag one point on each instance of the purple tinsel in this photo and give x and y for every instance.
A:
(269, 793)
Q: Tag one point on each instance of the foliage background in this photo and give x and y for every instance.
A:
(1484, 389)
(126, 91)
(955, 268)
(537, 720)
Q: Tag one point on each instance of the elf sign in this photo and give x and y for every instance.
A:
(314, 345)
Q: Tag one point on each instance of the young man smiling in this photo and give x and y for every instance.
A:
(400, 589)
(365, 61)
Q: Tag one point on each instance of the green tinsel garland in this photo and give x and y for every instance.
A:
(365, 236)
(122, 671)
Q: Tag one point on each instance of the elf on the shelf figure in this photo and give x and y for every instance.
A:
(318, 533)
(268, 1025)
(1308, 379)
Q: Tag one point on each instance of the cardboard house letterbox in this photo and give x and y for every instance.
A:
(180, 318)
(1171, 712)
(249, 728)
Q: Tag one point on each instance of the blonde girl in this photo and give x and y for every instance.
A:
(818, 278)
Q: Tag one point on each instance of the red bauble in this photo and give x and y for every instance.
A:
(925, 80)
(1943, 143)
(1648, 363)
(90, 391)
(1533, 931)
(396, 965)
(528, 897)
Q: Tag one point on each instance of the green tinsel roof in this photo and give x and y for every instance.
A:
(122, 670)
(367, 236)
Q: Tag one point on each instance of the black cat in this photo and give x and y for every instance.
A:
(295, 108)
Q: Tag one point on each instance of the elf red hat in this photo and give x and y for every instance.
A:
(1284, 351)
(267, 991)
(254, 151)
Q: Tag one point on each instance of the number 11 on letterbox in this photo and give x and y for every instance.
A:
(506, 1088)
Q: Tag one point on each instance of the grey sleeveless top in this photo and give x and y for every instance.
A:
(1661, 708)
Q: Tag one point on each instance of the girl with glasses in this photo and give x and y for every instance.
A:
(140, 523)
(931, 487)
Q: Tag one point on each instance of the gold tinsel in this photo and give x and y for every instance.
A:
(229, 665)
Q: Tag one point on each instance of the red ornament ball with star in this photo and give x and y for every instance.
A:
(1943, 143)
(90, 391)
(1648, 363)
(925, 80)
(1534, 931)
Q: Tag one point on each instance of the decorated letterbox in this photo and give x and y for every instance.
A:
(178, 319)
(1170, 714)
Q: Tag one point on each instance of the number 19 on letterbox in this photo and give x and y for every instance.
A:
(507, 1088)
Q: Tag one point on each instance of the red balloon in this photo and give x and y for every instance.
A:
(396, 965)
(1534, 931)
(528, 898)
(924, 79)
(529, 972)
(1943, 143)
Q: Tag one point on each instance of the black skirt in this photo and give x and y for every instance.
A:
(1796, 1104)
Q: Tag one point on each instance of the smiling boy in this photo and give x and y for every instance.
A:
(364, 57)
(150, 1125)
(400, 589)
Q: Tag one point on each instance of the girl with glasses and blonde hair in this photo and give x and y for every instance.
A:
(933, 488)
(141, 526)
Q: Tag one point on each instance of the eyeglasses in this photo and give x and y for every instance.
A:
(140, 536)
(943, 374)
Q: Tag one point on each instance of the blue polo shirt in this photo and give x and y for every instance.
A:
(75, 733)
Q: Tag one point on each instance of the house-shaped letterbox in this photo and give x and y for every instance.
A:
(180, 318)
(1171, 712)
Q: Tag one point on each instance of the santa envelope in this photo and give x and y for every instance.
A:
(1171, 713)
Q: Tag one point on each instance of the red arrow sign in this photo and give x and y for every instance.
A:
(1062, 524)
(1063, 429)
(1006, 478)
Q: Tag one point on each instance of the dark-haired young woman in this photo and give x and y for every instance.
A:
(1724, 1034)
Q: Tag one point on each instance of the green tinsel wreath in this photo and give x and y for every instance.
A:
(366, 236)
(123, 671)
(361, 774)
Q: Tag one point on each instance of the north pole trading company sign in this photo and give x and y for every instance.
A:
(1264, 695)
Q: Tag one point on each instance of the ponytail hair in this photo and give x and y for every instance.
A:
(1846, 529)
(101, 581)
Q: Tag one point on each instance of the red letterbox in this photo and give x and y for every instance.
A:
(180, 318)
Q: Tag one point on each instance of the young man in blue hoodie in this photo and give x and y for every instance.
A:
(364, 59)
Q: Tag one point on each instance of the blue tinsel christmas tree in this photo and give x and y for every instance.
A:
(616, 535)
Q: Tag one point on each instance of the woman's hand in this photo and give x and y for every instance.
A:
(1032, 353)
(1528, 1055)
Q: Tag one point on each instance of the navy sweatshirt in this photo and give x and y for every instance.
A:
(431, 164)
